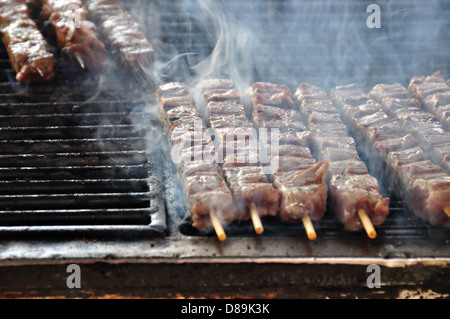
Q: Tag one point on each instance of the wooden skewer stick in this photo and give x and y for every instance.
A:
(259, 229)
(217, 225)
(41, 73)
(79, 59)
(310, 231)
(447, 210)
(368, 226)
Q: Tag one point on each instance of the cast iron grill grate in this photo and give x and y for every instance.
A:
(75, 158)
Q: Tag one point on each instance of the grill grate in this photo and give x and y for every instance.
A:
(326, 43)
(75, 158)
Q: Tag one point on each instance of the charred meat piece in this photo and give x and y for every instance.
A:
(393, 97)
(214, 84)
(427, 191)
(379, 150)
(28, 51)
(335, 142)
(313, 93)
(347, 167)
(293, 150)
(122, 34)
(216, 91)
(233, 140)
(396, 160)
(221, 95)
(321, 106)
(75, 35)
(425, 188)
(303, 138)
(202, 180)
(351, 187)
(322, 130)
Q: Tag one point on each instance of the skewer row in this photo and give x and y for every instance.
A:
(316, 128)
(298, 177)
(236, 141)
(208, 198)
(355, 195)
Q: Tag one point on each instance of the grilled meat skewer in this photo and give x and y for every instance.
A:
(122, 34)
(76, 36)
(220, 104)
(206, 193)
(352, 189)
(27, 49)
(299, 179)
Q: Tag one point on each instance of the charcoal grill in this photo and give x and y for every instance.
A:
(86, 177)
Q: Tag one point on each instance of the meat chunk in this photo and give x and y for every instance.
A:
(303, 192)
(270, 94)
(75, 35)
(28, 51)
(353, 192)
(424, 126)
(122, 34)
